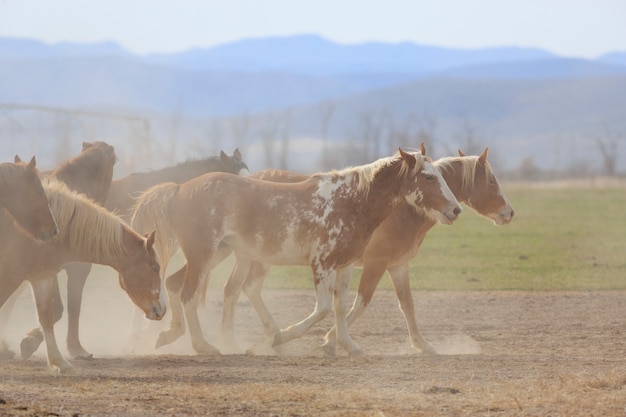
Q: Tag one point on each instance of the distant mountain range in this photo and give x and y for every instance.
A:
(521, 95)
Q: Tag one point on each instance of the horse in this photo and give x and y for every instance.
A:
(22, 195)
(392, 245)
(89, 233)
(125, 190)
(90, 173)
(323, 221)
(118, 198)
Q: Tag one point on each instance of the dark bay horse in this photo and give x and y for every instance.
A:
(118, 197)
(324, 221)
(89, 233)
(392, 246)
(22, 195)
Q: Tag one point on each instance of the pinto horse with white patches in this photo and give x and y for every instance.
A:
(324, 221)
(392, 246)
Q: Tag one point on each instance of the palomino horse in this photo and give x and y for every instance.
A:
(394, 243)
(118, 199)
(89, 233)
(323, 222)
(90, 173)
(22, 195)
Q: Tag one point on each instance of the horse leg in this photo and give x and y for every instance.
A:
(76, 278)
(340, 302)
(174, 284)
(198, 342)
(42, 291)
(33, 339)
(400, 279)
(7, 307)
(7, 288)
(252, 287)
(373, 271)
(232, 290)
(324, 287)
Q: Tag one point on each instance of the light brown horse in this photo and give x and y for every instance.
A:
(394, 243)
(22, 195)
(118, 196)
(90, 173)
(89, 233)
(323, 222)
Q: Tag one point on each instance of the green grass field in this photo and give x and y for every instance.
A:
(560, 239)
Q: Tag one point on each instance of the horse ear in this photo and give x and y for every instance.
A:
(33, 162)
(423, 149)
(150, 241)
(460, 153)
(224, 157)
(17, 159)
(237, 154)
(87, 145)
(483, 156)
(408, 158)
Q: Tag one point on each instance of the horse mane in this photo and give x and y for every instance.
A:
(366, 173)
(189, 163)
(468, 168)
(88, 226)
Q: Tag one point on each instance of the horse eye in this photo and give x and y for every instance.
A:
(430, 177)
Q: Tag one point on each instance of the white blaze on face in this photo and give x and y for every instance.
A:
(243, 172)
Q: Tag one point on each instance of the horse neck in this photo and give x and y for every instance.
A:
(89, 176)
(383, 196)
(178, 174)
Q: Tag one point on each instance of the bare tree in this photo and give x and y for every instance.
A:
(607, 145)
(468, 137)
(240, 129)
(268, 132)
(283, 154)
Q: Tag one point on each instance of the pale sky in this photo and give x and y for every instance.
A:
(574, 28)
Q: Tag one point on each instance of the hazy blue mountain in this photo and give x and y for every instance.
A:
(16, 48)
(615, 58)
(310, 54)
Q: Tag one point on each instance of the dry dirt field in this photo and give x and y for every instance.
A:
(502, 353)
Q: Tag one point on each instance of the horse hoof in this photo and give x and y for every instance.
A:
(279, 338)
(165, 338)
(206, 350)
(358, 355)
(87, 357)
(329, 350)
(28, 346)
(426, 348)
(79, 353)
(62, 368)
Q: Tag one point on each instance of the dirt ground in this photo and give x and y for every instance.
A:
(501, 353)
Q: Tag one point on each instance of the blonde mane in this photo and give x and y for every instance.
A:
(366, 173)
(89, 227)
(468, 168)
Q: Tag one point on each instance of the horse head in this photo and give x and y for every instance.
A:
(140, 275)
(426, 188)
(483, 192)
(234, 164)
(26, 200)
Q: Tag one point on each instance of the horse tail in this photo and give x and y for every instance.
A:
(151, 212)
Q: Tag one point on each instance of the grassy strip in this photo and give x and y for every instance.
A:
(560, 239)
